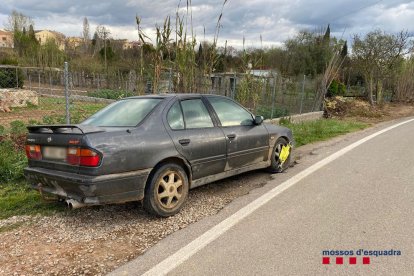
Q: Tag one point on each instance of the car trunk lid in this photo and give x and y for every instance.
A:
(48, 146)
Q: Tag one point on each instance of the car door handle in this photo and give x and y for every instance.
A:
(231, 136)
(184, 142)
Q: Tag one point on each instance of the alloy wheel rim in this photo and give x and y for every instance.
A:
(278, 149)
(169, 189)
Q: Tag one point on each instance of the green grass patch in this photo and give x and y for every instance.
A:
(12, 159)
(18, 198)
(320, 130)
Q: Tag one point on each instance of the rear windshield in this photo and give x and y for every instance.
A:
(124, 113)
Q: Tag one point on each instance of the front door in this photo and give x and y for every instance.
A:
(247, 143)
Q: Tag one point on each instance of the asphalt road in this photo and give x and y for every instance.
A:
(362, 200)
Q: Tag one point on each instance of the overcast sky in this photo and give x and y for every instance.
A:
(274, 20)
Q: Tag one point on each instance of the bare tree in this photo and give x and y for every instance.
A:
(142, 38)
(331, 72)
(405, 82)
(17, 21)
(103, 34)
(86, 34)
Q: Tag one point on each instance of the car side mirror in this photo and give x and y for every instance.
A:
(258, 120)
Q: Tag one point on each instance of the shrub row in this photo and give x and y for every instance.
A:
(110, 94)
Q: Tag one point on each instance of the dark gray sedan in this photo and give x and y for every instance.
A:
(152, 148)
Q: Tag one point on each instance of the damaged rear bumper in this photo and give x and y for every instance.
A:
(89, 190)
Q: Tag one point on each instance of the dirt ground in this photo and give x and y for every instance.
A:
(359, 110)
(96, 240)
(26, 116)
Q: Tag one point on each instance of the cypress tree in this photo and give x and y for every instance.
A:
(344, 51)
(327, 35)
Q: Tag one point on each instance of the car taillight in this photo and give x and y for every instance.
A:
(73, 156)
(33, 152)
(82, 157)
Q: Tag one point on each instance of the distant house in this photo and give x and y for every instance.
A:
(74, 42)
(260, 73)
(131, 45)
(6, 39)
(117, 43)
(46, 35)
(225, 83)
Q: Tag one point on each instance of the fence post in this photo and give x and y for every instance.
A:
(273, 95)
(170, 81)
(17, 78)
(66, 77)
(233, 94)
(303, 92)
(50, 82)
(39, 91)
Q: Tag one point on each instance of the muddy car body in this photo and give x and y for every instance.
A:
(178, 142)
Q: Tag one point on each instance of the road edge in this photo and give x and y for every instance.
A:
(183, 254)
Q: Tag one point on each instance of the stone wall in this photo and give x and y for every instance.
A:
(17, 97)
(300, 117)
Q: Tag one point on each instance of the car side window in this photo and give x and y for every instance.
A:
(175, 117)
(196, 114)
(230, 113)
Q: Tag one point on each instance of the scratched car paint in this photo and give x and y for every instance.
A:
(154, 149)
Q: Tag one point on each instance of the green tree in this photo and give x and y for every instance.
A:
(102, 34)
(344, 51)
(327, 35)
(49, 55)
(10, 77)
(18, 23)
(309, 53)
(107, 54)
(377, 56)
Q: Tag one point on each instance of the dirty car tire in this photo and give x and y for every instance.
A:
(276, 165)
(166, 190)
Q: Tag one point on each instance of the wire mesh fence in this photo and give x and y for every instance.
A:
(58, 95)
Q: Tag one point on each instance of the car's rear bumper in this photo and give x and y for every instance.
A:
(92, 190)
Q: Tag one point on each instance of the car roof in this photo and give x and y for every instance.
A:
(171, 95)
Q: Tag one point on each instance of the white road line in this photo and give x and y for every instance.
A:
(213, 233)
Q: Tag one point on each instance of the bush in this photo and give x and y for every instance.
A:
(110, 94)
(248, 91)
(266, 112)
(10, 77)
(336, 88)
(12, 159)
(55, 119)
(18, 128)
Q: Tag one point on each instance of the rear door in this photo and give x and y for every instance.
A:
(247, 143)
(197, 137)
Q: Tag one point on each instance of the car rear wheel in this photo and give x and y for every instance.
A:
(166, 190)
(280, 156)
